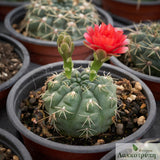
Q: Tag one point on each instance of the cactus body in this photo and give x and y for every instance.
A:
(45, 19)
(81, 108)
(145, 49)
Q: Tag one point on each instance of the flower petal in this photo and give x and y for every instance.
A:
(121, 50)
(106, 37)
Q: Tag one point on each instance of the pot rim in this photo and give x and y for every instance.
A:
(74, 148)
(132, 2)
(21, 10)
(11, 4)
(14, 144)
(25, 59)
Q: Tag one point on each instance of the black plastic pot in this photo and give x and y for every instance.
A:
(6, 7)
(10, 141)
(41, 148)
(97, 2)
(24, 55)
(44, 52)
(111, 155)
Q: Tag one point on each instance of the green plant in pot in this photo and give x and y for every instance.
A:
(44, 20)
(67, 111)
(83, 103)
(143, 55)
(144, 49)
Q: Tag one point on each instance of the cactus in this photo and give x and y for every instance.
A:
(82, 104)
(45, 19)
(145, 48)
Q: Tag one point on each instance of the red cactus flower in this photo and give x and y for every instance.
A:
(106, 37)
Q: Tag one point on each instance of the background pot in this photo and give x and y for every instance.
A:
(24, 56)
(44, 52)
(6, 7)
(128, 9)
(10, 141)
(111, 155)
(153, 82)
(41, 148)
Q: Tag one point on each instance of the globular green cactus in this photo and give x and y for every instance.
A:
(45, 19)
(145, 48)
(81, 105)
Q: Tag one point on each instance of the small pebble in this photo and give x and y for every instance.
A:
(32, 100)
(138, 86)
(143, 106)
(120, 87)
(134, 129)
(100, 141)
(126, 111)
(15, 157)
(131, 98)
(8, 151)
(119, 128)
(2, 149)
(141, 120)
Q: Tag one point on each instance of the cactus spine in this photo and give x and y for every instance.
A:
(145, 48)
(45, 19)
(81, 107)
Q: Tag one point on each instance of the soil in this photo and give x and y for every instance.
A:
(7, 154)
(10, 62)
(131, 115)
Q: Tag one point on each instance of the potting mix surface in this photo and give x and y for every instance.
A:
(10, 62)
(131, 115)
(7, 154)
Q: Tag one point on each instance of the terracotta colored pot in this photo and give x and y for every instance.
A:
(24, 55)
(3, 97)
(6, 7)
(44, 52)
(43, 149)
(14, 144)
(128, 9)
